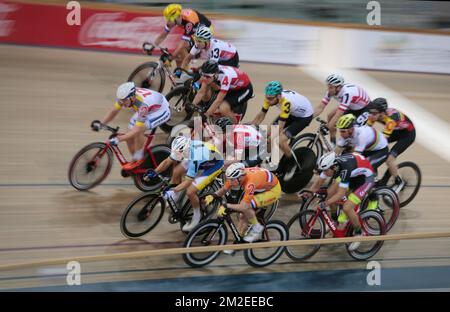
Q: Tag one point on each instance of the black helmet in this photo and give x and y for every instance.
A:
(380, 104)
(210, 67)
(223, 122)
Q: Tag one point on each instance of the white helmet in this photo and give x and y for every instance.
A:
(335, 80)
(203, 33)
(235, 170)
(125, 90)
(326, 161)
(180, 144)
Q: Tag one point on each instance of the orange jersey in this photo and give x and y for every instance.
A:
(256, 180)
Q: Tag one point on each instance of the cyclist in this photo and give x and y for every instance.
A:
(352, 99)
(151, 110)
(296, 113)
(190, 20)
(354, 173)
(219, 51)
(365, 140)
(398, 128)
(233, 86)
(245, 141)
(261, 189)
(201, 162)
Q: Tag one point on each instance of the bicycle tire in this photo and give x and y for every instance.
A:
(182, 92)
(357, 254)
(392, 204)
(142, 83)
(255, 261)
(416, 187)
(72, 167)
(297, 253)
(160, 152)
(150, 201)
(200, 234)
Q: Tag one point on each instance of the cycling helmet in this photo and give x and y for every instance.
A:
(223, 122)
(235, 171)
(210, 67)
(203, 33)
(346, 121)
(125, 90)
(180, 144)
(335, 80)
(327, 161)
(379, 104)
(172, 11)
(273, 88)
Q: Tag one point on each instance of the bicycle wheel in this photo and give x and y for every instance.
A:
(260, 257)
(178, 97)
(374, 223)
(270, 211)
(307, 140)
(293, 178)
(90, 166)
(387, 204)
(148, 76)
(412, 176)
(142, 215)
(207, 233)
(303, 226)
(160, 152)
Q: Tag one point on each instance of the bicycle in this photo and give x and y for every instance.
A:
(313, 224)
(97, 157)
(145, 212)
(152, 75)
(214, 232)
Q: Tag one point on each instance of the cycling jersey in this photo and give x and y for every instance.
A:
(232, 78)
(394, 120)
(258, 180)
(190, 20)
(217, 51)
(364, 138)
(244, 137)
(151, 109)
(291, 103)
(350, 97)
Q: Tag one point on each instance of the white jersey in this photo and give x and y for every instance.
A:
(292, 103)
(365, 138)
(232, 78)
(350, 97)
(151, 107)
(217, 51)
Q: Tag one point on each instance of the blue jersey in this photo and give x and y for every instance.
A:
(203, 156)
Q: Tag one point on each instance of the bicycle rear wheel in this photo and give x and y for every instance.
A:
(387, 204)
(160, 152)
(301, 226)
(148, 76)
(142, 215)
(90, 166)
(412, 176)
(374, 223)
(260, 257)
(207, 233)
(178, 97)
(307, 140)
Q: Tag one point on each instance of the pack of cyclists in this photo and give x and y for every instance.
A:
(359, 150)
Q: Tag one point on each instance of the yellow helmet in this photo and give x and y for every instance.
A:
(172, 11)
(346, 121)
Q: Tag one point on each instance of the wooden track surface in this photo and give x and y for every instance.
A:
(50, 96)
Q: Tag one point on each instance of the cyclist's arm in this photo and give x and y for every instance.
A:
(336, 197)
(319, 182)
(334, 119)
(215, 105)
(319, 109)
(259, 118)
(198, 97)
(110, 115)
(186, 61)
(164, 165)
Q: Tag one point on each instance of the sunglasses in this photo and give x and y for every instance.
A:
(208, 75)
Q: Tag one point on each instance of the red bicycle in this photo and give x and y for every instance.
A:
(92, 164)
(312, 225)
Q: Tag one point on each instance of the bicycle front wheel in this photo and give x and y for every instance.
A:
(207, 233)
(305, 225)
(148, 76)
(260, 257)
(142, 215)
(387, 204)
(307, 140)
(90, 166)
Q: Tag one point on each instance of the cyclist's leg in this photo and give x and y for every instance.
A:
(404, 139)
(181, 51)
(333, 128)
(294, 125)
(377, 158)
(361, 189)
